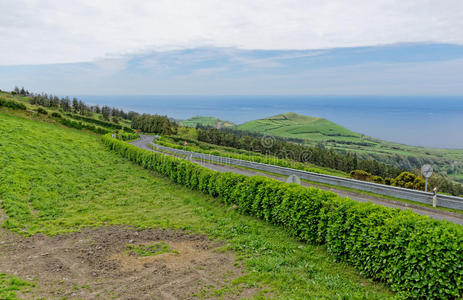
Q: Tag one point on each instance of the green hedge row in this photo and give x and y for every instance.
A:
(12, 104)
(126, 136)
(417, 256)
(79, 125)
(101, 123)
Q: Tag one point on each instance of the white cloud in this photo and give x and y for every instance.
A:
(47, 31)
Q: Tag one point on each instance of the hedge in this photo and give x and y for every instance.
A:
(79, 125)
(101, 123)
(12, 104)
(417, 256)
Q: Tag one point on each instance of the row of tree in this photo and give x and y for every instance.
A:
(154, 124)
(21, 92)
(76, 106)
(288, 150)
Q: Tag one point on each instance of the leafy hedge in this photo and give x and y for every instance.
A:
(101, 123)
(79, 125)
(126, 136)
(12, 104)
(417, 256)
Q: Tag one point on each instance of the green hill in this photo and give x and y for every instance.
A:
(207, 121)
(292, 125)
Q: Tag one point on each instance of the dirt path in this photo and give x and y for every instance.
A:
(97, 264)
(457, 218)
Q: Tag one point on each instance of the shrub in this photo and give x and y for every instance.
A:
(361, 175)
(410, 181)
(42, 111)
(417, 256)
(127, 136)
(12, 104)
(419, 184)
(56, 115)
(389, 181)
(378, 179)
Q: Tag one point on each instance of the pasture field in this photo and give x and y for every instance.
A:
(206, 121)
(56, 181)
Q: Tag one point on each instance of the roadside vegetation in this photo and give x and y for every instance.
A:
(417, 256)
(201, 147)
(57, 180)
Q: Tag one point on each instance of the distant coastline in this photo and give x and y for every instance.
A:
(420, 121)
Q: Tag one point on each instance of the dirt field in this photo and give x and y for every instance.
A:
(95, 264)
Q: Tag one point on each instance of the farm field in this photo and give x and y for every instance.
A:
(74, 210)
(206, 121)
(292, 125)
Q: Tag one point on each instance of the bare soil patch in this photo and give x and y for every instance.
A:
(95, 264)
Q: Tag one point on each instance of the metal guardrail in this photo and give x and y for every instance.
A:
(402, 193)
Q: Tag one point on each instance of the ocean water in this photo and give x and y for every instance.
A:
(420, 121)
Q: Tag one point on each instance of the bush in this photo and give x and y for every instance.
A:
(12, 104)
(126, 136)
(42, 111)
(361, 175)
(378, 179)
(417, 256)
(410, 181)
(56, 115)
(389, 181)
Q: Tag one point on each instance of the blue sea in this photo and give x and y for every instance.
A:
(421, 121)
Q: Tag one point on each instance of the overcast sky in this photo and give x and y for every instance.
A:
(171, 46)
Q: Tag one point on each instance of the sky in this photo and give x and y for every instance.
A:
(240, 47)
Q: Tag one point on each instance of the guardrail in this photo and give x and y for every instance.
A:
(402, 193)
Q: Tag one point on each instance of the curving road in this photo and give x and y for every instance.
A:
(145, 140)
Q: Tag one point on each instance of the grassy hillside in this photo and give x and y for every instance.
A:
(317, 130)
(207, 121)
(56, 180)
(292, 125)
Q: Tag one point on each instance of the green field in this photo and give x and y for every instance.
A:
(315, 131)
(207, 121)
(292, 125)
(57, 180)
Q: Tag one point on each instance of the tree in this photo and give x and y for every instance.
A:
(75, 105)
(106, 112)
(66, 104)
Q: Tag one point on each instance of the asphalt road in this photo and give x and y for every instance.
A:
(146, 140)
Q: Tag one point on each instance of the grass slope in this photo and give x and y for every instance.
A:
(292, 125)
(57, 180)
(207, 121)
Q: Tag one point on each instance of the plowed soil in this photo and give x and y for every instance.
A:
(95, 264)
